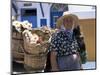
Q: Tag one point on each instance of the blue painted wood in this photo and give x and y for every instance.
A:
(31, 19)
(43, 22)
(52, 15)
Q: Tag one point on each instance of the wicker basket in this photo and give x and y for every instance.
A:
(16, 47)
(34, 63)
(36, 54)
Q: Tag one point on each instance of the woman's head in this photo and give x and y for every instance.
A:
(69, 21)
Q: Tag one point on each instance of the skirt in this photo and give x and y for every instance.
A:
(70, 62)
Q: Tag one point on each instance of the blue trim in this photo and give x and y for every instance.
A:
(52, 14)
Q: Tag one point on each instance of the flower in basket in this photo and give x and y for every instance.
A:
(27, 25)
(31, 38)
(46, 29)
(17, 25)
(39, 40)
(35, 38)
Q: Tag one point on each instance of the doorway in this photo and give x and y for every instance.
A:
(30, 15)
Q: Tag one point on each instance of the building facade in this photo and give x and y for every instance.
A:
(40, 14)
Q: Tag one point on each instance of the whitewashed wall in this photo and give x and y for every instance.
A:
(13, 12)
(83, 12)
(80, 8)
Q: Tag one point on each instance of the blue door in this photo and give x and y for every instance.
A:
(30, 15)
(53, 18)
(31, 19)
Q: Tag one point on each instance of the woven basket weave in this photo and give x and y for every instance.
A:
(36, 54)
(16, 46)
(34, 63)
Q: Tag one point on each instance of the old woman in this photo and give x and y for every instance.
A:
(64, 48)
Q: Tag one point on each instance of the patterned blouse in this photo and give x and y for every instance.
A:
(64, 43)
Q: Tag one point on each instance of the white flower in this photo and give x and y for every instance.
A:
(46, 29)
(27, 25)
(17, 25)
(31, 38)
(34, 38)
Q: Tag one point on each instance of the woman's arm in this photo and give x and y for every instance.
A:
(53, 58)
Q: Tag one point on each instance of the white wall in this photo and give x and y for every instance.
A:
(80, 8)
(83, 12)
(13, 12)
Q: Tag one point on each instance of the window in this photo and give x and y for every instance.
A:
(29, 12)
(43, 22)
